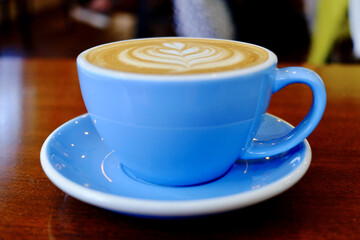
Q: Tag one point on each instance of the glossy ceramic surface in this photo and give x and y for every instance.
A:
(165, 128)
(77, 161)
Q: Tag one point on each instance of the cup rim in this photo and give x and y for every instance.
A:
(82, 62)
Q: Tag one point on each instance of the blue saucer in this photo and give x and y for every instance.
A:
(76, 160)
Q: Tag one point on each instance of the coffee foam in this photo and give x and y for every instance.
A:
(176, 56)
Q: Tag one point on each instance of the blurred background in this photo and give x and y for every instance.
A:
(313, 31)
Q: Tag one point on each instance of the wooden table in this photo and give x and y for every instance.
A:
(38, 95)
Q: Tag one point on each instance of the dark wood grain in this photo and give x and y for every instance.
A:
(38, 95)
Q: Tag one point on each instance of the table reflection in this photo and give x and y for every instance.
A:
(11, 109)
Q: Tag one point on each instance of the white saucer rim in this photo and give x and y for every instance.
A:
(173, 208)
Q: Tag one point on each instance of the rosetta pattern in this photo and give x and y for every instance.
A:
(176, 56)
(180, 57)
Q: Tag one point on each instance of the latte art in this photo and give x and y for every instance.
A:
(176, 56)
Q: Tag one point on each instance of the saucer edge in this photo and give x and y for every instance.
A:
(160, 208)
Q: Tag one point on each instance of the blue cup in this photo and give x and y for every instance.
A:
(189, 129)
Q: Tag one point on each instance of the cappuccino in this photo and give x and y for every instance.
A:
(181, 111)
(176, 56)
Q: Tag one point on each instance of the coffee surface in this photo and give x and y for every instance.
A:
(176, 56)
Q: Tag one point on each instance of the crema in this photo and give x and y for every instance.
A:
(176, 56)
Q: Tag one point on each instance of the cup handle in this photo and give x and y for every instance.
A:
(284, 77)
